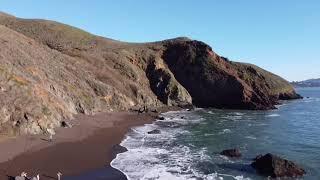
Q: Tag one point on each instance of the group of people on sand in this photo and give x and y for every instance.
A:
(24, 176)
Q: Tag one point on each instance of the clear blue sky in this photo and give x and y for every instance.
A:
(282, 36)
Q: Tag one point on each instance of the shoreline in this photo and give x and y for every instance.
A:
(74, 152)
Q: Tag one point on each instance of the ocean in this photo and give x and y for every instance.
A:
(189, 142)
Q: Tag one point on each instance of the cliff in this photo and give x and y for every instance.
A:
(50, 71)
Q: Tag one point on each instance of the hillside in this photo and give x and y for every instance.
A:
(50, 71)
(307, 83)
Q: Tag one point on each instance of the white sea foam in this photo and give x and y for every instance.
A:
(233, 117)
(250, 137)
(273, 115)
(280, 105)
(160, 157)
(225, 158)
(235, 177)
(238, 113)
(225, 131)
(209, 134)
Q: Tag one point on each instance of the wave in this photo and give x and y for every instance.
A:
(250, 137)
(273, 115)
(225, 131)
(162, 156)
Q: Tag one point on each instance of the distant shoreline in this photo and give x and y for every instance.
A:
(306, 86)
(85, 147)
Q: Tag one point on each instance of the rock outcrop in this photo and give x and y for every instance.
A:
(156, 131)
(50, 71)
(274, 166)
(231, 153)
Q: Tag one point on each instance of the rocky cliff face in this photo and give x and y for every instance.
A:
(51, 71)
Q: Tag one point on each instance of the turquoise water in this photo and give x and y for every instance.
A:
(189, 144)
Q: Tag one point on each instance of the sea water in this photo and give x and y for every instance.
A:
(189, 144)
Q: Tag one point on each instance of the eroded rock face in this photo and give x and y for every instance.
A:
(214, 81)
(50, 71)
(274, 166)
(165, 86)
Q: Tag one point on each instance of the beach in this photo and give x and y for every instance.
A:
(85, 147)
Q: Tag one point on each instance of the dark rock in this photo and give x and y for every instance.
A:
(274, 166)
(161, 118)
(288, 96)
(144, 109)
(223, 84)
(141, 110)
(154, 110)
(156, 131)
(64, 124)
(186, 106)
(18, 123)
(231, 153)
(26, 116)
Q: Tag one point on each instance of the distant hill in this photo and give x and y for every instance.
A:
(307, 83)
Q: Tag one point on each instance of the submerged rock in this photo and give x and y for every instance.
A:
(231, 153)
(274, 166)
(156, 131)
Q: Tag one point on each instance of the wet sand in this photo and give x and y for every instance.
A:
(76, 152)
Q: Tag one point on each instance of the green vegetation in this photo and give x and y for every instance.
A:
(46, 111)
(87, 99)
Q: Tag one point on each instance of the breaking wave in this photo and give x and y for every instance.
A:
(162, 157)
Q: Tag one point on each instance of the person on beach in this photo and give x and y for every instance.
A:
(50, 133)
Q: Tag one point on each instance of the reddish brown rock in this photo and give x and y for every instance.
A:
(274, 166)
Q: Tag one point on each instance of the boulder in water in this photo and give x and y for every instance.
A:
(156, 131)
(274, 166)
(231, 153)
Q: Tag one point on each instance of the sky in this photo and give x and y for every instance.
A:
(282, 36)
